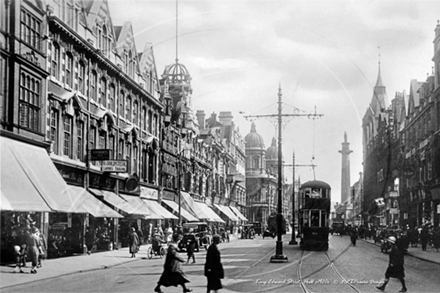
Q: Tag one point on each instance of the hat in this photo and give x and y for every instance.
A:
(216, 239)
(392, 239)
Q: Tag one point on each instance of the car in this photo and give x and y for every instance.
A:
(267, 233)
(188, 238)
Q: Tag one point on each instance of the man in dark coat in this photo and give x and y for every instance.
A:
(395, 266)
(173, 275)
(213, 266)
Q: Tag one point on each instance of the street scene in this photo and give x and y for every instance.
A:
(343, 268)
(216, 145)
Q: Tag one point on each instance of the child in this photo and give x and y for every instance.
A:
(18, 259)
(190, 245)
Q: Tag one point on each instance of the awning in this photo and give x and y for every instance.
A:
(238, 213)
(228, 213)
(155, 207)
(138, 207)
(117, 201)
(188, 203)
(29, 179)
(205, 212)
(184, 213)
(85, 202)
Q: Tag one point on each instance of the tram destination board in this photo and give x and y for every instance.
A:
(116, 166)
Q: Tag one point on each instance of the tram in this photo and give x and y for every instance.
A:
(314, 215)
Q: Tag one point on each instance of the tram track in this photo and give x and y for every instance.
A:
(303, 280)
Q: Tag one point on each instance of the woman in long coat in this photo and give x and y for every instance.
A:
(34, 246)
(395, 266)
(173, 275)
(134, 242)
(213, 266)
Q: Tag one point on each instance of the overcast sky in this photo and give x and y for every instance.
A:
(324, 54)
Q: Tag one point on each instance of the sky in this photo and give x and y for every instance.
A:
(324, 55)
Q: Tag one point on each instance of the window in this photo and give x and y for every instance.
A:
(80, 79)
(135, 112)
(53, 132)
(30, 30)
(103, 92)
(92, 138)
(128, 109)
(256, 162)
(104, 42)
(135, 159)
(128, 157)
(67, 128)
(79, 140)
(29, 102)
(121, 104)
(155, 125)
(68, 71)
(143, 117)
(102, 140)
(112, 146)
(150, 122)
(111, 98)
(121, 150)
(55, 59)
(93, 81)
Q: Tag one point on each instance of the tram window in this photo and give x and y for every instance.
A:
(323, 219)
(315, 218)
(306, 219)
(316, 193)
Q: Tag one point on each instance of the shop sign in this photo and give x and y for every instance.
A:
(116, 166)
(99, 155)
(149, 193)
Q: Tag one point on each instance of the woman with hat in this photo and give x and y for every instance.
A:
(173, 275)
(213, 266)
(133, 242)
(34, 244)
(395, 266)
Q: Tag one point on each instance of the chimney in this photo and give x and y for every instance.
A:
(225, 118)
(201, 118)
(212, 120)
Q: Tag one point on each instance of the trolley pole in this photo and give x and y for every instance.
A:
(293, 240)
(279, 256)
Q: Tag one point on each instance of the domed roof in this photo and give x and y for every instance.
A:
(272, 151)
(253, 139)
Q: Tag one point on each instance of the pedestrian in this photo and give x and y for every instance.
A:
(18, 259)
(34, 246)
(43, 250)
(424, 237)
(90, 240)
(213, 266)
(190, 246)
(173, 275)
(395, 266)
(353, 235)
(140, 236)
(133, 242)
(436, 237)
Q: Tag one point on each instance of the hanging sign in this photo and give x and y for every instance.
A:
(116, 166)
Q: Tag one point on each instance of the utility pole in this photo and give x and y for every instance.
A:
(293, 241)
(279, 257)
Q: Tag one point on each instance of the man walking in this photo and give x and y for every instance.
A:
(395, 266)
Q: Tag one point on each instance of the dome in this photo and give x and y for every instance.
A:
(272, 151)
(253, 139)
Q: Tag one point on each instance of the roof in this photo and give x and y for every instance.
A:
(316, 184)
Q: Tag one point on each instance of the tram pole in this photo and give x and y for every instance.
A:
(279, 256)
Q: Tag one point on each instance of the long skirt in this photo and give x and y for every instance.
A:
(214, 283)
(395, 272)
(175, 279)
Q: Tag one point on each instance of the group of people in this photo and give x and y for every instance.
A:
(173, 275)
(33, 247)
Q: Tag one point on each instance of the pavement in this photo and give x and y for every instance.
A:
(53, 268)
